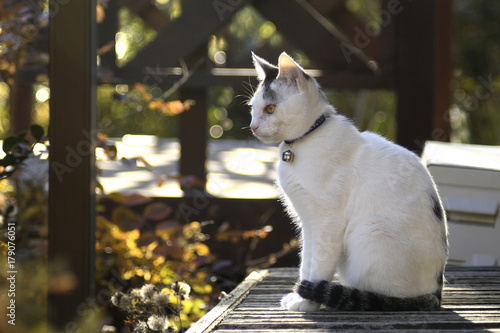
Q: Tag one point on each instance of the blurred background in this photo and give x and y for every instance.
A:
(24, 90)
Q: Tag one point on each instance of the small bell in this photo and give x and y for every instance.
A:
(287, 156)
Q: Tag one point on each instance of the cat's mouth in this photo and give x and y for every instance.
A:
(266, 137)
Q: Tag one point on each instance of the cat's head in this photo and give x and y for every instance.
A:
(287, 101)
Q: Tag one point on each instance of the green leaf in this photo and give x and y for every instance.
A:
(37, 131)
(9, 143)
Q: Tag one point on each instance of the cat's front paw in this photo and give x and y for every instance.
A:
(294, 302)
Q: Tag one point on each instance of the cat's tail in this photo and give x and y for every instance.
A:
(339, 297)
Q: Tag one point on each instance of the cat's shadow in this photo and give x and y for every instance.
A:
(440, 320)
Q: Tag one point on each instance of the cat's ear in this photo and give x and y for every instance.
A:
(291, 71)
(264, 69)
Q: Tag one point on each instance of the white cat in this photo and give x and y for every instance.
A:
(368, 210)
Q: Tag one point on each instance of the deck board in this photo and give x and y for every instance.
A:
(471, 302)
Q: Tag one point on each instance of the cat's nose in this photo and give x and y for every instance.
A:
(254, 128)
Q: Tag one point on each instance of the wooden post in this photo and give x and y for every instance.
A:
(72, 161)
(193, 136)
(106, 31)
(418, 82)
(443, 70)
(21, 102)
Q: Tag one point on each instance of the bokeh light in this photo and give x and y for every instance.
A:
(42, 94)
(216, 131)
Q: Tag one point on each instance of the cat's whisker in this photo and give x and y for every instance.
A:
(249, 88)
(246, 99)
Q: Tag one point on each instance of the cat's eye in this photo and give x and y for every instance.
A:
(270, 108)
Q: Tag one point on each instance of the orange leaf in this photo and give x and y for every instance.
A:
(167, 229)
(145, 239)
(136, 200)
(157, 211)
(174, 252)
(172, 108)
(140, 87)
(126, 219)
(156, 104)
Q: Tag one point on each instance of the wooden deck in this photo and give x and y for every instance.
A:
(471, 302)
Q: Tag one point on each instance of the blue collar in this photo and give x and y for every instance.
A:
(316, 124)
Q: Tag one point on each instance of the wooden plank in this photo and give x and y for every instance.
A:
(228, 303)
(72, 159)
(468, 307)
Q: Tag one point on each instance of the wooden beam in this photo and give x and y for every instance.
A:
(350, 24)
(182, 37)
(312, 33)
(415, 84)
(340, 79)
(72, 159)
(147, 10)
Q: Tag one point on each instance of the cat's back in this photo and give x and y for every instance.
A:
(390, 160)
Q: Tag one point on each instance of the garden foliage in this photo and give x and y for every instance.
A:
(144, 247)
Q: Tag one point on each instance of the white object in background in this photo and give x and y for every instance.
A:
(483, 260)
(471, 210)
(468, 180)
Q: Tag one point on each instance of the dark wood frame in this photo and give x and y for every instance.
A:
(72, 156)
(413, 53)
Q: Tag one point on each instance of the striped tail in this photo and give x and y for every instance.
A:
(339, 297)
